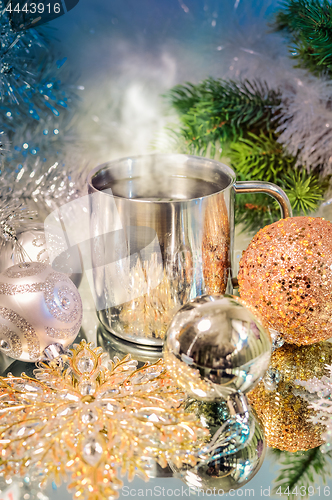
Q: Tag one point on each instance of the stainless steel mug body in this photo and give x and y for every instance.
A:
(172, 240)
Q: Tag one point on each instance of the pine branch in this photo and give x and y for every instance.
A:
(275, 453)
(301, 469)
(260, 157)
(238, 117)
(220, 110)
(309, 23)
(304, 191)
(184, 97)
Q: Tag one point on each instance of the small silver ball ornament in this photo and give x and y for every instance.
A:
(215, 347)
(38, 308)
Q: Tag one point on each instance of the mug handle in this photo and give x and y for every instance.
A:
(268, 188)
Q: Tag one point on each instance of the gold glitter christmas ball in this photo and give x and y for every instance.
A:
(286, 416)
(286, 275)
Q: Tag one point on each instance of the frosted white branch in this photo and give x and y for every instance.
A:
(318, 393)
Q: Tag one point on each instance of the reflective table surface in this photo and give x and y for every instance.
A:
(162, 482)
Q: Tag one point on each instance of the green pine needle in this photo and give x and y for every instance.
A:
(304, 191)
(184, 97)
(309, 23)
(301, 470)
(218, 110)
(260, 157)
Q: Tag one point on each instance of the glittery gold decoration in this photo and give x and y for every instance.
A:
(285, 416)
(84, 422)
(286, 274)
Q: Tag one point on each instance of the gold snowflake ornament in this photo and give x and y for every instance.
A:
(83, 422)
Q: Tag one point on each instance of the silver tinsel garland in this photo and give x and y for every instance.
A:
(38, 162)
(44, 164)
(12, 217)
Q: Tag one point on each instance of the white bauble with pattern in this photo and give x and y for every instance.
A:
(38, 307)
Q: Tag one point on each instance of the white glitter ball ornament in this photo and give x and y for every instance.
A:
(38, 307)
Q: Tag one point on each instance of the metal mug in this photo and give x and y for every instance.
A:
(173, 240)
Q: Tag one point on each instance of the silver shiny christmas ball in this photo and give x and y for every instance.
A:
(38, 307)
(215, 346)
(32, 243)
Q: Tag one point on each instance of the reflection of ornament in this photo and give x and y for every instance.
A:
(286, 274)
(103, 419)
(235, 431)
(220, 471)
(30, 244)
(285, 415)
(148, 315)
(215, 347)
(38, 307)
(215, 247)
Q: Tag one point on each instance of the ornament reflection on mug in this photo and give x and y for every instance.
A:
(40, 311)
